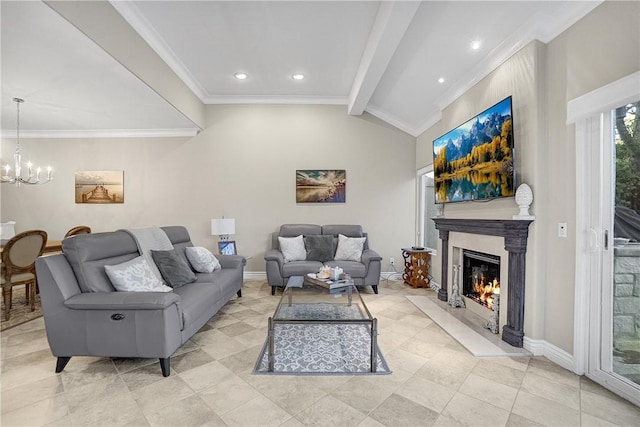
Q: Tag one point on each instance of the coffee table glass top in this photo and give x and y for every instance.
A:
(314, 303)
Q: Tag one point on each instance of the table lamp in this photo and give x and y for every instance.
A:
(223, 227)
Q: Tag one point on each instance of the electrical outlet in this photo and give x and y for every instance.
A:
(392, 261)
(562, 229)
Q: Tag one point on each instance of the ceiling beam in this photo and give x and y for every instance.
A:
(99, 21)
(392, 21)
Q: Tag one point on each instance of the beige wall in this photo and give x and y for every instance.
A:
(542, 79)
(599, 49)
(242, 166)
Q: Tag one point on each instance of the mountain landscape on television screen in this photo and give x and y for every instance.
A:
(481, 133)
(475, 161)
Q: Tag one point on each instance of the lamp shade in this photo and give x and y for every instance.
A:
(223, 226)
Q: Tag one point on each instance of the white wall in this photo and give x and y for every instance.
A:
(242, 166)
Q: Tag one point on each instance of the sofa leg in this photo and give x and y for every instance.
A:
(165, 365)
(61, 363)
(375, 289)
(273, 290)
(239, 293)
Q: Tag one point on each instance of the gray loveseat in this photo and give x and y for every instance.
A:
(85, 316)
(365, 272)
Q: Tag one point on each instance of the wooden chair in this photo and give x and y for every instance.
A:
(18, 266)
(81, 229)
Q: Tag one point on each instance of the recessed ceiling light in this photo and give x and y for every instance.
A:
(475, 45)
(240, 76)
(441, 80)
(298, 76)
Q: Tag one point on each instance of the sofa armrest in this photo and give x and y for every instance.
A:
(231, 261)
(369, 255)
(122, 301)
(274, 255)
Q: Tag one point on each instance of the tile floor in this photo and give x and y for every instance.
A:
(435, 381)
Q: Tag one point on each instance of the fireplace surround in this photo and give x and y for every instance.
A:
(515, 234)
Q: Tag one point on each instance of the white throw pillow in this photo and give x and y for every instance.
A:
(293, 248)
(202, 260)
(349, 248)
(135, 276)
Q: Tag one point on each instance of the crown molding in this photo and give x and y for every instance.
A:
(391, 119)
(102, 133)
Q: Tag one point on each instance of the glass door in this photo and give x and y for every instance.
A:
(621, 285)
(614, 343)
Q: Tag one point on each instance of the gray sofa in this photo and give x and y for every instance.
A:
(85, 316)
(365, 272)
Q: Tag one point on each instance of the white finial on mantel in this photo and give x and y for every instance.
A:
(524, 198)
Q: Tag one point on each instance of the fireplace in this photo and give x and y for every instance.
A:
(480, 277)
(514, 234)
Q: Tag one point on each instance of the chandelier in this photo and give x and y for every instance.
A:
(16, 178)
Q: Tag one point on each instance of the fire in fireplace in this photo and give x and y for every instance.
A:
(480, 277)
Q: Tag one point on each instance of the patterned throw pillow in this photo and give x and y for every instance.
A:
(292, 248)
(202, 260)
(134, 276)
(349, 248)
(174, 269)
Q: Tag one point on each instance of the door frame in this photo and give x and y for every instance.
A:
(589, 113)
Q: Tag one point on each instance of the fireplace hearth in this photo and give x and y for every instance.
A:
(515, 234)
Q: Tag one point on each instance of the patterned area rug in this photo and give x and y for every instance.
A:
(321, 350)
(20, 312)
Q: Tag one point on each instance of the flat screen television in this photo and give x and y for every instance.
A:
(475, 160)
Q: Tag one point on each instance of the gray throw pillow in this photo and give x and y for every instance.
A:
(175, 270)
(319, 247)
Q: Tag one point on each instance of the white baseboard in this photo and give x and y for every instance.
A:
(434, 285)
(255, 275)
(551, 352)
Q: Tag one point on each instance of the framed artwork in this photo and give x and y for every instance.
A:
(227, 247)
(321, 185)
(99, 187)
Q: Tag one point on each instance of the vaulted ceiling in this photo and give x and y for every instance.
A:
(385, 58)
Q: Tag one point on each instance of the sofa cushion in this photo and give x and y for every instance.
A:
(347, 230)
(293, 230)
(354, 268)
(135, 276)
(319, 247)
(174, 270)
(300, 268)
(196, 299)
(202, 260)
(349, 248)
(89, 253)
(292, 248)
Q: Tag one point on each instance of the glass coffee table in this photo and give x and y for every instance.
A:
(334, 325)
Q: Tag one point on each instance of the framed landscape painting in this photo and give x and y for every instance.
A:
(321, 185)
(99, 187)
